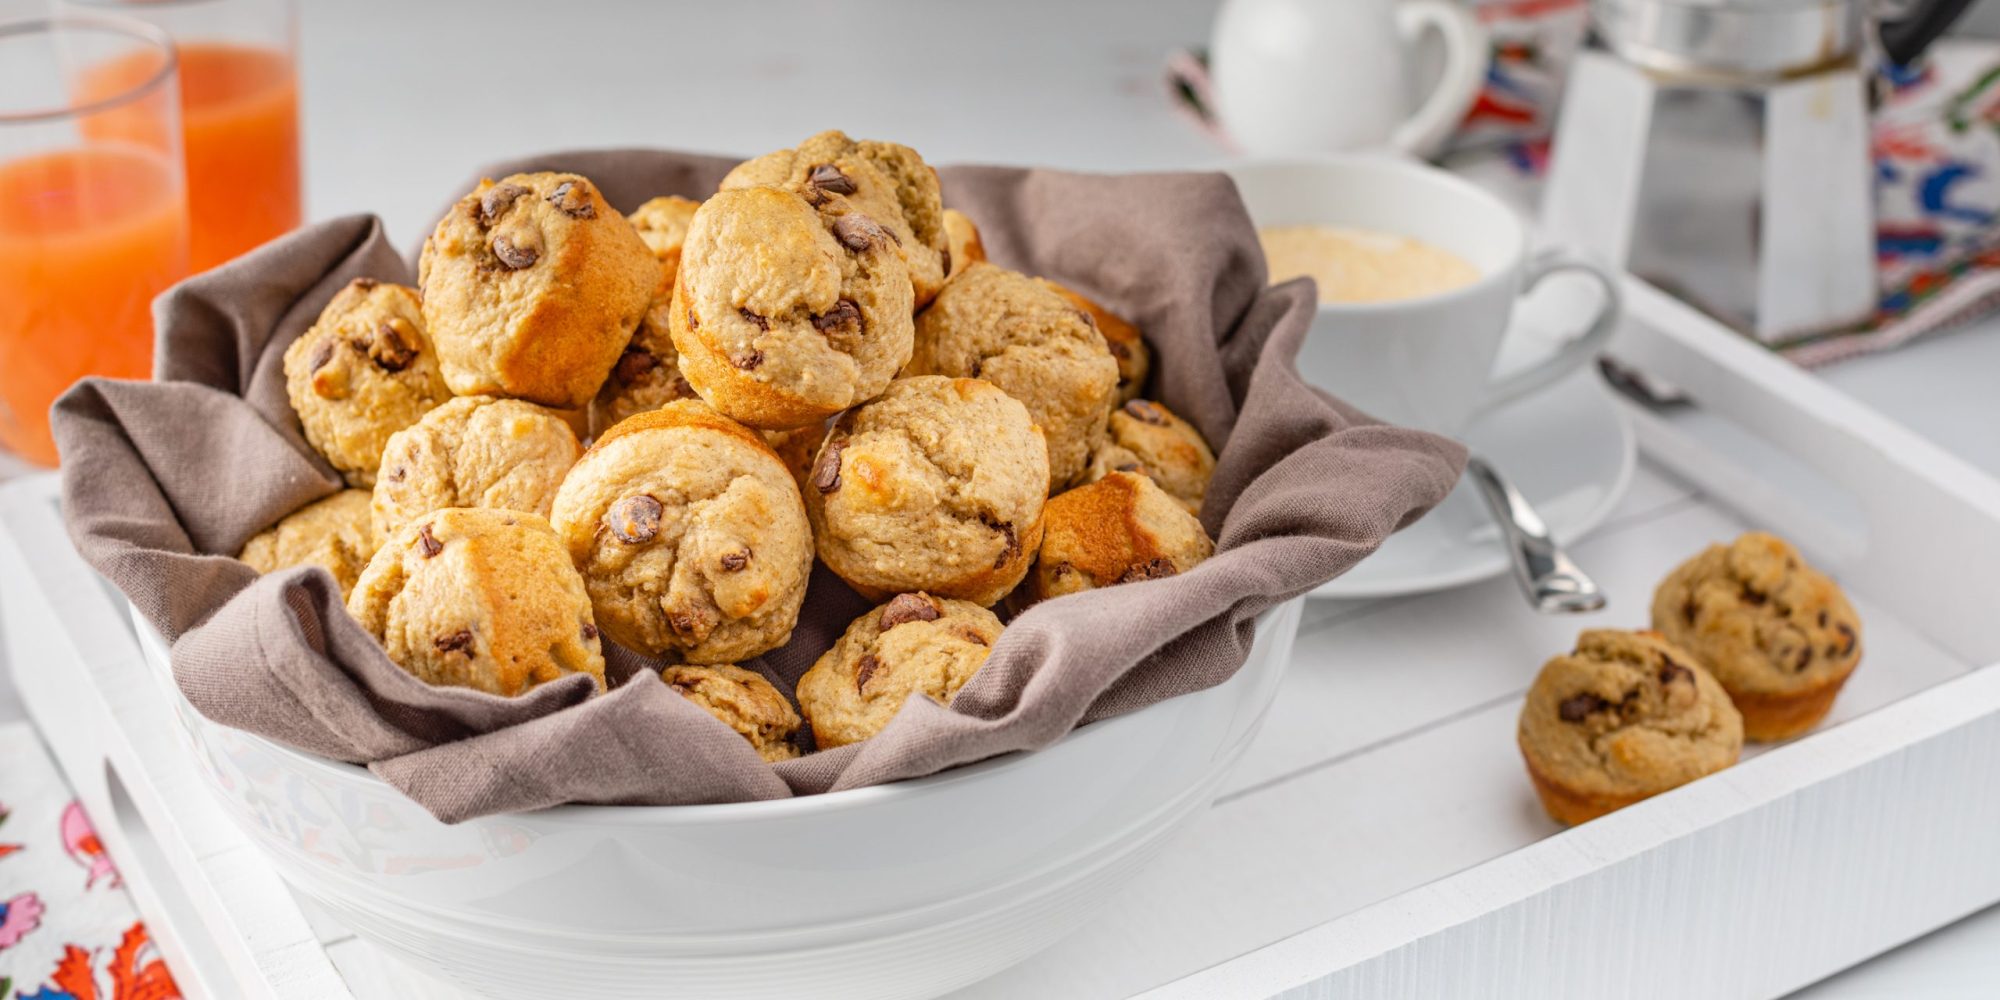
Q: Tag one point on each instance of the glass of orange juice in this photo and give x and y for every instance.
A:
(93, 211)
(239, 112)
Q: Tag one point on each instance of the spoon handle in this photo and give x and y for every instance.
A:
(1552, 583)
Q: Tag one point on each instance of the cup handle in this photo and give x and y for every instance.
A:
(1464, 71)
(1571, 355)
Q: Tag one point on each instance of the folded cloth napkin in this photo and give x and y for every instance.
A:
(164, 481)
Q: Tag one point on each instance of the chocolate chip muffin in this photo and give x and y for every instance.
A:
(1119, 529)
(364, 371)
(648, 374)
(1777, 633)
(485, 599)
(963, 245)
(784, 316)
(475, 451)
(332, 534)
(1145, 437)
(886, 182)
(532, 287)
(1018, 334)
(690, 535)
(916, 644)
(744, 701)
(1623, 716)
(937, 486)
(1121, 338)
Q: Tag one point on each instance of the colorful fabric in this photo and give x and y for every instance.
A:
(67, 929)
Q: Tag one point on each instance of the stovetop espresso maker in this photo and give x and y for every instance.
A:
(1720, 150)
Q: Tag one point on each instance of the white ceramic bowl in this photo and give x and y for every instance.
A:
(902, 890)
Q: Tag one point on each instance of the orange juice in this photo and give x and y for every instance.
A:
(87, 238)
(240, 135)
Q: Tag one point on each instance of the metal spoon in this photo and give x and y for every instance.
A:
(1552, 583)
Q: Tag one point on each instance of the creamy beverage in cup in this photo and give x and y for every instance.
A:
(1418, 274)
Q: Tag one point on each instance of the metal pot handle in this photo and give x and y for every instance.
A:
(1916, 26)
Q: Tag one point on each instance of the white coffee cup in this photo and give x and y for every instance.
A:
(1424, 362)
(1320, 76)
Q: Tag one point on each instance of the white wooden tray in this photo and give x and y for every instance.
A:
(1380, 837)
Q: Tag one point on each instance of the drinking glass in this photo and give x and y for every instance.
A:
(93, 210)
(239, 113)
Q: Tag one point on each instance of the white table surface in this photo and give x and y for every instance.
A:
(403, 100)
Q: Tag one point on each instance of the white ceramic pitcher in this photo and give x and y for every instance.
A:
(1315, 76)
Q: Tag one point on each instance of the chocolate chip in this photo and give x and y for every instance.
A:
(978, 364)
(694, 322)
(1086, 317)
(1151, 569)
(514, 257)
(735, 561)
(457, 642)
(1671, 672)
(364, 284)
(1118, 350)
(396, 474)
(390, 351)
(972, 635)
(906, 608)
(1752, 598)
(1822, 618)
(688, 623)
(1145, 412)
(944, 260)
(864, 670)
(1005, 528)
(497, 200)
(857, 232)
(573, 199)
(1689, 609)
(826, 471)
(589, 632)
(842, 314)
(634, 363)
(761, 322)
(321, 355)
(636, 519)
(428, 542)
(750, 361)
(1580, 707)
(1847, 633)
(827, 177)
(1805, 660)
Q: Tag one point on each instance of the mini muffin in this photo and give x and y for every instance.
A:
(882, 180)
(914, 645)
(1121, 338)
(364, 371)
(475, 451)
(963, 246)
(532, 287)
(1119, 529)
(784, 316)
(332, 534)
(484, 599)
(1624, 716)
(1145, 437)
(1018, 334)
(690, 536)
(744, 701)
(1777, 633)
(648, 374)
(662, 224)
(936, 486)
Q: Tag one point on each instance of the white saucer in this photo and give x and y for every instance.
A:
(1569, 449)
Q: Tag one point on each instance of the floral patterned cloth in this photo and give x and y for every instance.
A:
(67, 929)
